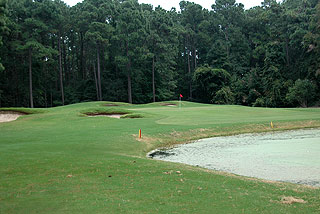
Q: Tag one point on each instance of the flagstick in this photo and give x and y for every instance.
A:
(179, 102)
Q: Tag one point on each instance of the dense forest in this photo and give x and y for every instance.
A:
(119, 50)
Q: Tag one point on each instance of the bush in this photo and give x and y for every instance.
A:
(208, 81)
(303, 93)
(260, 102)
(224, 96)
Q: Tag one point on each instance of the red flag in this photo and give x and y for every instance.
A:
(181, 95)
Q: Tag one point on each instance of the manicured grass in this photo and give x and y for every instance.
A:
(59, 161)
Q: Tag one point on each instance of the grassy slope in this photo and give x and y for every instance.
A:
(110, 173)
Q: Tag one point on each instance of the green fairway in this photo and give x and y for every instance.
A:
(59, 160)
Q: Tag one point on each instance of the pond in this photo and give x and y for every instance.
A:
(289, 156)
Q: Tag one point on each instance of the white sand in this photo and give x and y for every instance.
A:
(110, 115)
(7, 116)
(115, 116)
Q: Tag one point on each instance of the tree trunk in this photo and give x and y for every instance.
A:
(99, 72)
(95, 80)
(227, 40)
(82, 56)
(153, 83)
(45, 98)
(189, 74)
(51, 98)
(45, 77)
(129, 74)
(195, 59)
(60, 70)
(30, 78)
(16, 84)
(65, 65)
(129, 84)
(72, 68)
(287, 52)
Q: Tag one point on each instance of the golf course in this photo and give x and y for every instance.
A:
(78, 159)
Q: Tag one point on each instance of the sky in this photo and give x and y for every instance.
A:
(168, 4)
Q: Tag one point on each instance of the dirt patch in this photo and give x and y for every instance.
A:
(111, 115)
(291, 200)
(158, 153)
(150, 142)
(168, 104)
(7, 116)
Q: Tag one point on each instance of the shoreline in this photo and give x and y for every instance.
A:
(200, 133)
(238, 155)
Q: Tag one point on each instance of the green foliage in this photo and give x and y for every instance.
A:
(3, 28)
(303, 92)
(260, 102)
(224, 96)
(209, 81)
(99, 32)
(126, 51)
(230, 47)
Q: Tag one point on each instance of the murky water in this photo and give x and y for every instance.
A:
(290, 156)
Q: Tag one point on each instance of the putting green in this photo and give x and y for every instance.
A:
(217, 114)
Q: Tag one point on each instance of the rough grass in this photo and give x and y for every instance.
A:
(61, 162)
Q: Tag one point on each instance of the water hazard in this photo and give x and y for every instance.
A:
(290, 156)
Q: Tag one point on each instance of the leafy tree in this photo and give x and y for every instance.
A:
(3, 4)
(311, 43)
(129, 26)
(209, 81)
(163, 47)
(120, 50)
(224, 96)
(303, 92)
(99, 33)
(230, 48)
(33, 30)
(59, 14)
(191, 17)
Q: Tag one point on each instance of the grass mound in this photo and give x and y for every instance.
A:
(23, 111)
(112, 112)
(12, 112)
(133, 116)
(103, 112)
(111, 104)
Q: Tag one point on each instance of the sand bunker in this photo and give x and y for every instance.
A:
(118, 116)
(168, 104)
(7, 116)
(111, 104)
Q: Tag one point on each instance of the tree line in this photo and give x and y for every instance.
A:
(120, 50)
